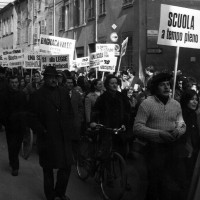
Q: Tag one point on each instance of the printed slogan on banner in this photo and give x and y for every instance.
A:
(179, 27)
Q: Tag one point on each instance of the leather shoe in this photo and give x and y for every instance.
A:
(15, 172)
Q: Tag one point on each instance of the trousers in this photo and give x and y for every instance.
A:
(52, 190)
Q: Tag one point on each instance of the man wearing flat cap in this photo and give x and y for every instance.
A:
(51, 118)
(159, 124)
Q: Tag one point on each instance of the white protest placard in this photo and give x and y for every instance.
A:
(96, 59)
(15, 60)
(82, 62)
(73, 66)
(60, 62)
(108, 65)
(5, 60)
(12, 55)
(179, 27)
(124, 46)
(31, 60)
(108, 49)
(56, 45)
(12, 51)
(15, 63)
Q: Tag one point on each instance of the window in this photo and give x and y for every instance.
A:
(30, 33)
(11, 24)
(43, 27)
(46, 4)
(19, 16)
(102, 7)
(26, 34)
(50, 27)
(6, 26)
(39, 5)
(35, 8)
(4, 29)
(80, 52)
(127, 3)
(92, 48)
(35, 35)
(91, 9)
(0, 28)
(18, 35)
(62, 18)
(68, 14)
(79, 12)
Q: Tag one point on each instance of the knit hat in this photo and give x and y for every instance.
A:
(158, 78)
(161, 77)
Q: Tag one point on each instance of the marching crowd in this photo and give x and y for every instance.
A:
(60, 105)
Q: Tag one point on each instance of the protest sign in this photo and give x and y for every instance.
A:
(124, 46)
(96, 59)
(60, 62)
(56, 45)
(109, 60)
(179, 27)
(108, 49)
(123, 51)
(10, 56)
(12, 51)
(15, 60)
(82, 62)
(73, 66)
(108, 65)
(15, 63)
(31, 61)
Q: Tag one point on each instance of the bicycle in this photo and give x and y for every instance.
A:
(109, 172)
(27, 144)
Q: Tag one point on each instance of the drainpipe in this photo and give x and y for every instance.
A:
(96, 22)
(54, 15)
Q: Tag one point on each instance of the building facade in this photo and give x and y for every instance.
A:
(93, 21)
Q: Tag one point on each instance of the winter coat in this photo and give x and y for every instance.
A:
(51, 117)
(12, 109)
(78, 110)
(112, 111)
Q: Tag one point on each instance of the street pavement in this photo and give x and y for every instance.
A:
(28, 185)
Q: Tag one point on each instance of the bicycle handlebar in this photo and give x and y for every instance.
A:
(114, 130)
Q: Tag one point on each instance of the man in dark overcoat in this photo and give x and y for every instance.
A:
(78, 110)
(12, 115)
(51, 118)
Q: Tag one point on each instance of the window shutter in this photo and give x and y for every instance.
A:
(29, 33)
(35, 35)
(43, 28)
(46, 4)
(51, 22)
(60, 18)
(35, 8)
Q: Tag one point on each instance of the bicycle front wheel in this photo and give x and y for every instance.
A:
(113, 180)
(83, 163)
(27, 144)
